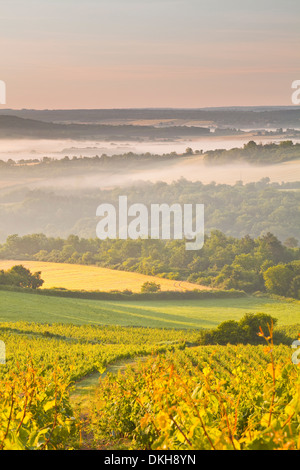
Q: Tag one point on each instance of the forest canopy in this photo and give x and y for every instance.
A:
(236, 210)
(244, 264)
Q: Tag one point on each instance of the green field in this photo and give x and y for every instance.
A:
(207, 313)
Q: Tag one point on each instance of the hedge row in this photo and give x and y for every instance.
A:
(97, 295)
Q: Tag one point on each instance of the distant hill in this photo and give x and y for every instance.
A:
(240, 117)
(17, 127)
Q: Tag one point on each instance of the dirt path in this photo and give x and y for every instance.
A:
(83, 390)
(81, 397)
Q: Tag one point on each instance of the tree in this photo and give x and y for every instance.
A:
(291, 242)
(243, 332)
(228, 332)
(278, 279)
(251, 323)
(272, 248)
(22, 277)
(150, 287)
(295, 287)
(36, 280)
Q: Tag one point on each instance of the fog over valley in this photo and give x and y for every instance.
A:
(247, 180)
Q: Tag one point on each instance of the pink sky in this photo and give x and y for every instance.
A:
(130, 54)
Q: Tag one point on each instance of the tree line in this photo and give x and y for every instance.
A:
(236, 210)
(252, 152)
(263, 264)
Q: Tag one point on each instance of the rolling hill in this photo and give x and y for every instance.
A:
(91, 278)
(179, 314)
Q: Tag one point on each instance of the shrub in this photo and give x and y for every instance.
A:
(243, 332)
(150, 287)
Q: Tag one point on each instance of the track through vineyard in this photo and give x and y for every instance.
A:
(154, 391)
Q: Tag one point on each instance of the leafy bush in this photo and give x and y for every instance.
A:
(19, 276)
(150, 287)
(243, 332)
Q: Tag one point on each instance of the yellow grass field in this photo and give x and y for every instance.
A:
(92, 278)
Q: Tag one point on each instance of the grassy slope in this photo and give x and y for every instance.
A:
(166, 314)
(78, 277)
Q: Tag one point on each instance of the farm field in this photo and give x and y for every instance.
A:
(187, 314)
(203, 398)
(42, 364)
(176, 397)
(80, 277)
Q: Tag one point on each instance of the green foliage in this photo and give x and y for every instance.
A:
(257, 153)
(35, 412)
(223, 263)
(244, 331)
(206, 398)
(42, 363)
(250, 325)
(284, 279)
(150, 287)
(19, 276)
(236, 210)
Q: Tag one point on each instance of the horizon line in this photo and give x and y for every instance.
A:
(168, 108)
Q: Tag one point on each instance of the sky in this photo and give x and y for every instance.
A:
(70, 54)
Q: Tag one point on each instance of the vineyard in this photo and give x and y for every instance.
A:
(206, 398)
(182, 397)
(42, 364)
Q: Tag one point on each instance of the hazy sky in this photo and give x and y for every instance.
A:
(148, 53)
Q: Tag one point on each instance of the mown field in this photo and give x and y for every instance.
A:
(188, 314)
(79, 277)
